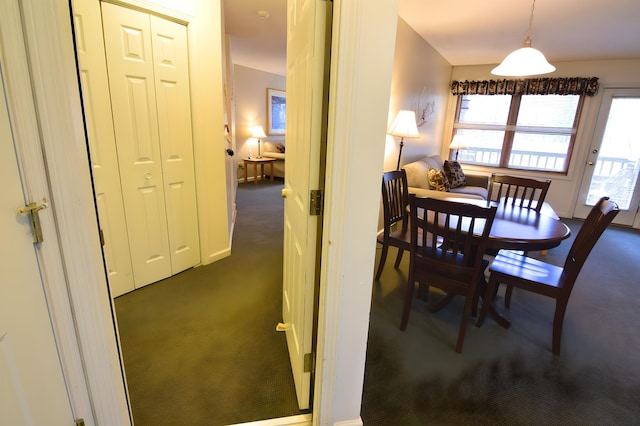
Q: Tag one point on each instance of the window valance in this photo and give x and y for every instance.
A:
(530, 86)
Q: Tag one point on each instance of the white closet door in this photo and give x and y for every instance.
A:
(104, 157)
(174, 123)
(129, 55)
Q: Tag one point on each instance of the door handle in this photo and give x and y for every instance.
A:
(285, 192)
(590, 163)
(32, 210)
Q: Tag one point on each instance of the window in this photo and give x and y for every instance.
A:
(531, 132)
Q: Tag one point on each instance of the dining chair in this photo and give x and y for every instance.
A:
(549, 280)
(519, 191)
(445, 254)
(395, 202)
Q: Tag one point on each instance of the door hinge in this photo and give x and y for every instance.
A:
(309, 362)
(79, 422)
(101, 238)
(315, 202)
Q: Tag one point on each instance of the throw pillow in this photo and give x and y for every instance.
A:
(437, 180)
(280, 148)
(454, 173)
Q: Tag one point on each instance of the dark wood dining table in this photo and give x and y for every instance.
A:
(520, 228)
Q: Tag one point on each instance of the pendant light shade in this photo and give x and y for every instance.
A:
(526, 60)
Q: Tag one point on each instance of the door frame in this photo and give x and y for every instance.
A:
(362, 59)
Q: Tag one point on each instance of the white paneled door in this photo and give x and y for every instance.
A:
(307, 47)
(149, 85)
(32, 387)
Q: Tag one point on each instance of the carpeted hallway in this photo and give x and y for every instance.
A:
(200, 348)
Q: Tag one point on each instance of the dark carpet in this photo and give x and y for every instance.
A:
(510, 377)
(200, 348)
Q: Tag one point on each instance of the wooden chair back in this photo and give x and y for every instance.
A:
(395, 199)
(395, 203)
(599, 218)
(448, 240)
(519, 191)
(557, 282)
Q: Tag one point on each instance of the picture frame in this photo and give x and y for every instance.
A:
(276, 111)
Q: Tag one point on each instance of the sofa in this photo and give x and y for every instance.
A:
(431, 177)
(274, 150)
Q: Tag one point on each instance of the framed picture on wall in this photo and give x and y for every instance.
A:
(276, 111)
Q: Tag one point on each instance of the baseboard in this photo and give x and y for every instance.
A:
(354, 422)
(301, 420)
(213, 257)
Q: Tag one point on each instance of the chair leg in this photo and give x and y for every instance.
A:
(558, 320)
(495, 292)
(398, 258)
(463, 324)
(507, 296)
(383, 259)
(408, 299)
(481, 287)
(492, 285)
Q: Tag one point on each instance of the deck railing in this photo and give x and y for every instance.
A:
(612, 176)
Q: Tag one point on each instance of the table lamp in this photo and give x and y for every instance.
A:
(458, 143)
(258, 133)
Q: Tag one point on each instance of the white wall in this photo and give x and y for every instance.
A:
(614, 73)
(418, 72)
(250, 108)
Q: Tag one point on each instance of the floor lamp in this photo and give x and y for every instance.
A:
(404, 126)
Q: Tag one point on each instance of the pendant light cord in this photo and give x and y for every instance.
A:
(529, 31)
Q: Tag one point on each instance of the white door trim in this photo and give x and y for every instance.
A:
(363, 45)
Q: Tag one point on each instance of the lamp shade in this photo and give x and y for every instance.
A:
(404, 125)
(523, 62)
(258, 133)
(459, 142)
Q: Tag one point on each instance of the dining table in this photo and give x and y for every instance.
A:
(518, 227)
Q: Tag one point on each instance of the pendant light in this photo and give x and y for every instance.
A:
(526, 60)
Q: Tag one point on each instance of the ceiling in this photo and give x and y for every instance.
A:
(464, 32)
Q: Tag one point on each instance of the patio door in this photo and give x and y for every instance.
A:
(613, 164)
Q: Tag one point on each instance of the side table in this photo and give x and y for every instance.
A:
(256, 162)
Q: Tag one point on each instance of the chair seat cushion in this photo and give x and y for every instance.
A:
(525, 268)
